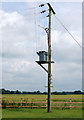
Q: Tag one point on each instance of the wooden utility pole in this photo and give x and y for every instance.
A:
(49, 60)
(42, 61)
(49, 64)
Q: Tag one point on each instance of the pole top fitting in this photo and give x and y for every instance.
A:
(51, 8)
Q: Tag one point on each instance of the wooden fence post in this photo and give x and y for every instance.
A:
(46, 102)
(31, 103)
(21, 102)
(70, 103)
(26, 101)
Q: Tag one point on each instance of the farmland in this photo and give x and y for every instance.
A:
(61, 106)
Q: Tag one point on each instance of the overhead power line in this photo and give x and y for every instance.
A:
(59, 22)
(69, 32)
(32, 8)
(40, 26)
(38, 13)
(29, 9)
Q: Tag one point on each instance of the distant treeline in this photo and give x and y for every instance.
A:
(3, 91)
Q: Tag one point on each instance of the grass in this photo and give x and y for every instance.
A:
(41, 113)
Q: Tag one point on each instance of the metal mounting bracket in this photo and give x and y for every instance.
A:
(42, 67)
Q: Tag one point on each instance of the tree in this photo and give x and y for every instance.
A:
(77, 92)
(38, 92)
(18, 92)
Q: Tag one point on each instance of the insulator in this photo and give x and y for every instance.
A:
(47, 16)
(46, 28)
(41, 5)
(43, 11)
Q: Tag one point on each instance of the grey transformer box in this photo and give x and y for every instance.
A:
(43, 55)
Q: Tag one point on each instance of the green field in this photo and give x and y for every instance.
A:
(42, 112)
(41, 96)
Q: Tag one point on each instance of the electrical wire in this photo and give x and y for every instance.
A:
(59, 22)
(35, 28)
(31, 8)
(69, 32)
(32, 13)
(40, 26)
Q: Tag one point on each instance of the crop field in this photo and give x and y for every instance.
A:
(35, 106)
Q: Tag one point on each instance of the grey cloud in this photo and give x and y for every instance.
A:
(19, 46)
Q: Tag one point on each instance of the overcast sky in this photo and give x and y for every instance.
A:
(21, 38)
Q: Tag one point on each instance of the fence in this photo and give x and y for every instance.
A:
(41, 103)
